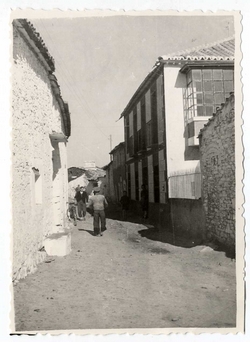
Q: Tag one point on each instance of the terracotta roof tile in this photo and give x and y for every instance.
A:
(37, 39)
(218, 111)
(217, 51)
(223, 50)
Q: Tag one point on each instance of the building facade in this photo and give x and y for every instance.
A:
(119, 172)
(109, 183)
(217, 147)
(41, 127)
(162, 122)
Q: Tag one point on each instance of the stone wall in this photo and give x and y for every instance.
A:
(217, 146)
(35, 114)
(187, 217)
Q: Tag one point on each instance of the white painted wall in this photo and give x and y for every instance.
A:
(35, 115)
(176, 164)
(138, 115)
(162, 168)
(160, 112)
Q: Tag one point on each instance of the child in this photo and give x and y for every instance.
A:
(125, 205)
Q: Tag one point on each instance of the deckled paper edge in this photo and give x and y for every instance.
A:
(240, 244)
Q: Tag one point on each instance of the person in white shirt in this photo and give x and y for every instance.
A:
(98, 203)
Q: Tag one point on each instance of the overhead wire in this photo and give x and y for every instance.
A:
(68, 84)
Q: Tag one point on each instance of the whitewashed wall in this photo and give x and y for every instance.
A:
(35, 115)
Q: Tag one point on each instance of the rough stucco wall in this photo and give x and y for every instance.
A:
(34, 118)
(217, 145)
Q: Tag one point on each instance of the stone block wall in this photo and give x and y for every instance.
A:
(187, 217)
(217, 146)
(35, 114)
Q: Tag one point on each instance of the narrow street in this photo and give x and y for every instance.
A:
(127, 279)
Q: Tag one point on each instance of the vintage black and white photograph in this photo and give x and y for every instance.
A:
(125, 213)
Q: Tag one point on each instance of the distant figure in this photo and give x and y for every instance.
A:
(144, 200)
(82, 199)
(125, 205)
(78, 188)
(98, 202)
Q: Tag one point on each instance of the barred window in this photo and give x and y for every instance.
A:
(139, 139)
(206, 89)
(131, 146)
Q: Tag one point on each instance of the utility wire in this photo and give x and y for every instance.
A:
(73, 92)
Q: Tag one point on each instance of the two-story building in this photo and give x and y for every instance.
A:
(162, 121)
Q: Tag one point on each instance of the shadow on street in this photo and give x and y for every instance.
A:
(91, 232)
(150, 232)
(114, 212)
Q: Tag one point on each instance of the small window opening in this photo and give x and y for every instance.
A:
(37, 186)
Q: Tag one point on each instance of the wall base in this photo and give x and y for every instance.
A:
(29, 266)
(158, 214)
(58, 244)
(188, 217)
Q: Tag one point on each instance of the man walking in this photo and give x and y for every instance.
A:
(81, 198)
(98, 202)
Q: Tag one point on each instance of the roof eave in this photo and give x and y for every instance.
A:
(206, 64)
(143, 86)
(29, 33)
(64, 108)
(117, 147)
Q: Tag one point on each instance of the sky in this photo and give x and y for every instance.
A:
(101, 61)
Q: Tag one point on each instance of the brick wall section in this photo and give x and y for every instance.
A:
(35, 114)
(217, 146)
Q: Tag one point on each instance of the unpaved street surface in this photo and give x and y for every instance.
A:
(127, 279)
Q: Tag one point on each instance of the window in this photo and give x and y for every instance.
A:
(131, 146)
(156, 184)
(135, 130)
(127, 134)
(154, 115)
(206, 89)
(137, 190)
(143, 124)
(129, 184)
(145, 175)
(37, 186)
(139, 140)
(149, 133)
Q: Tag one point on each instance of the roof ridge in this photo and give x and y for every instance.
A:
(197, 48)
